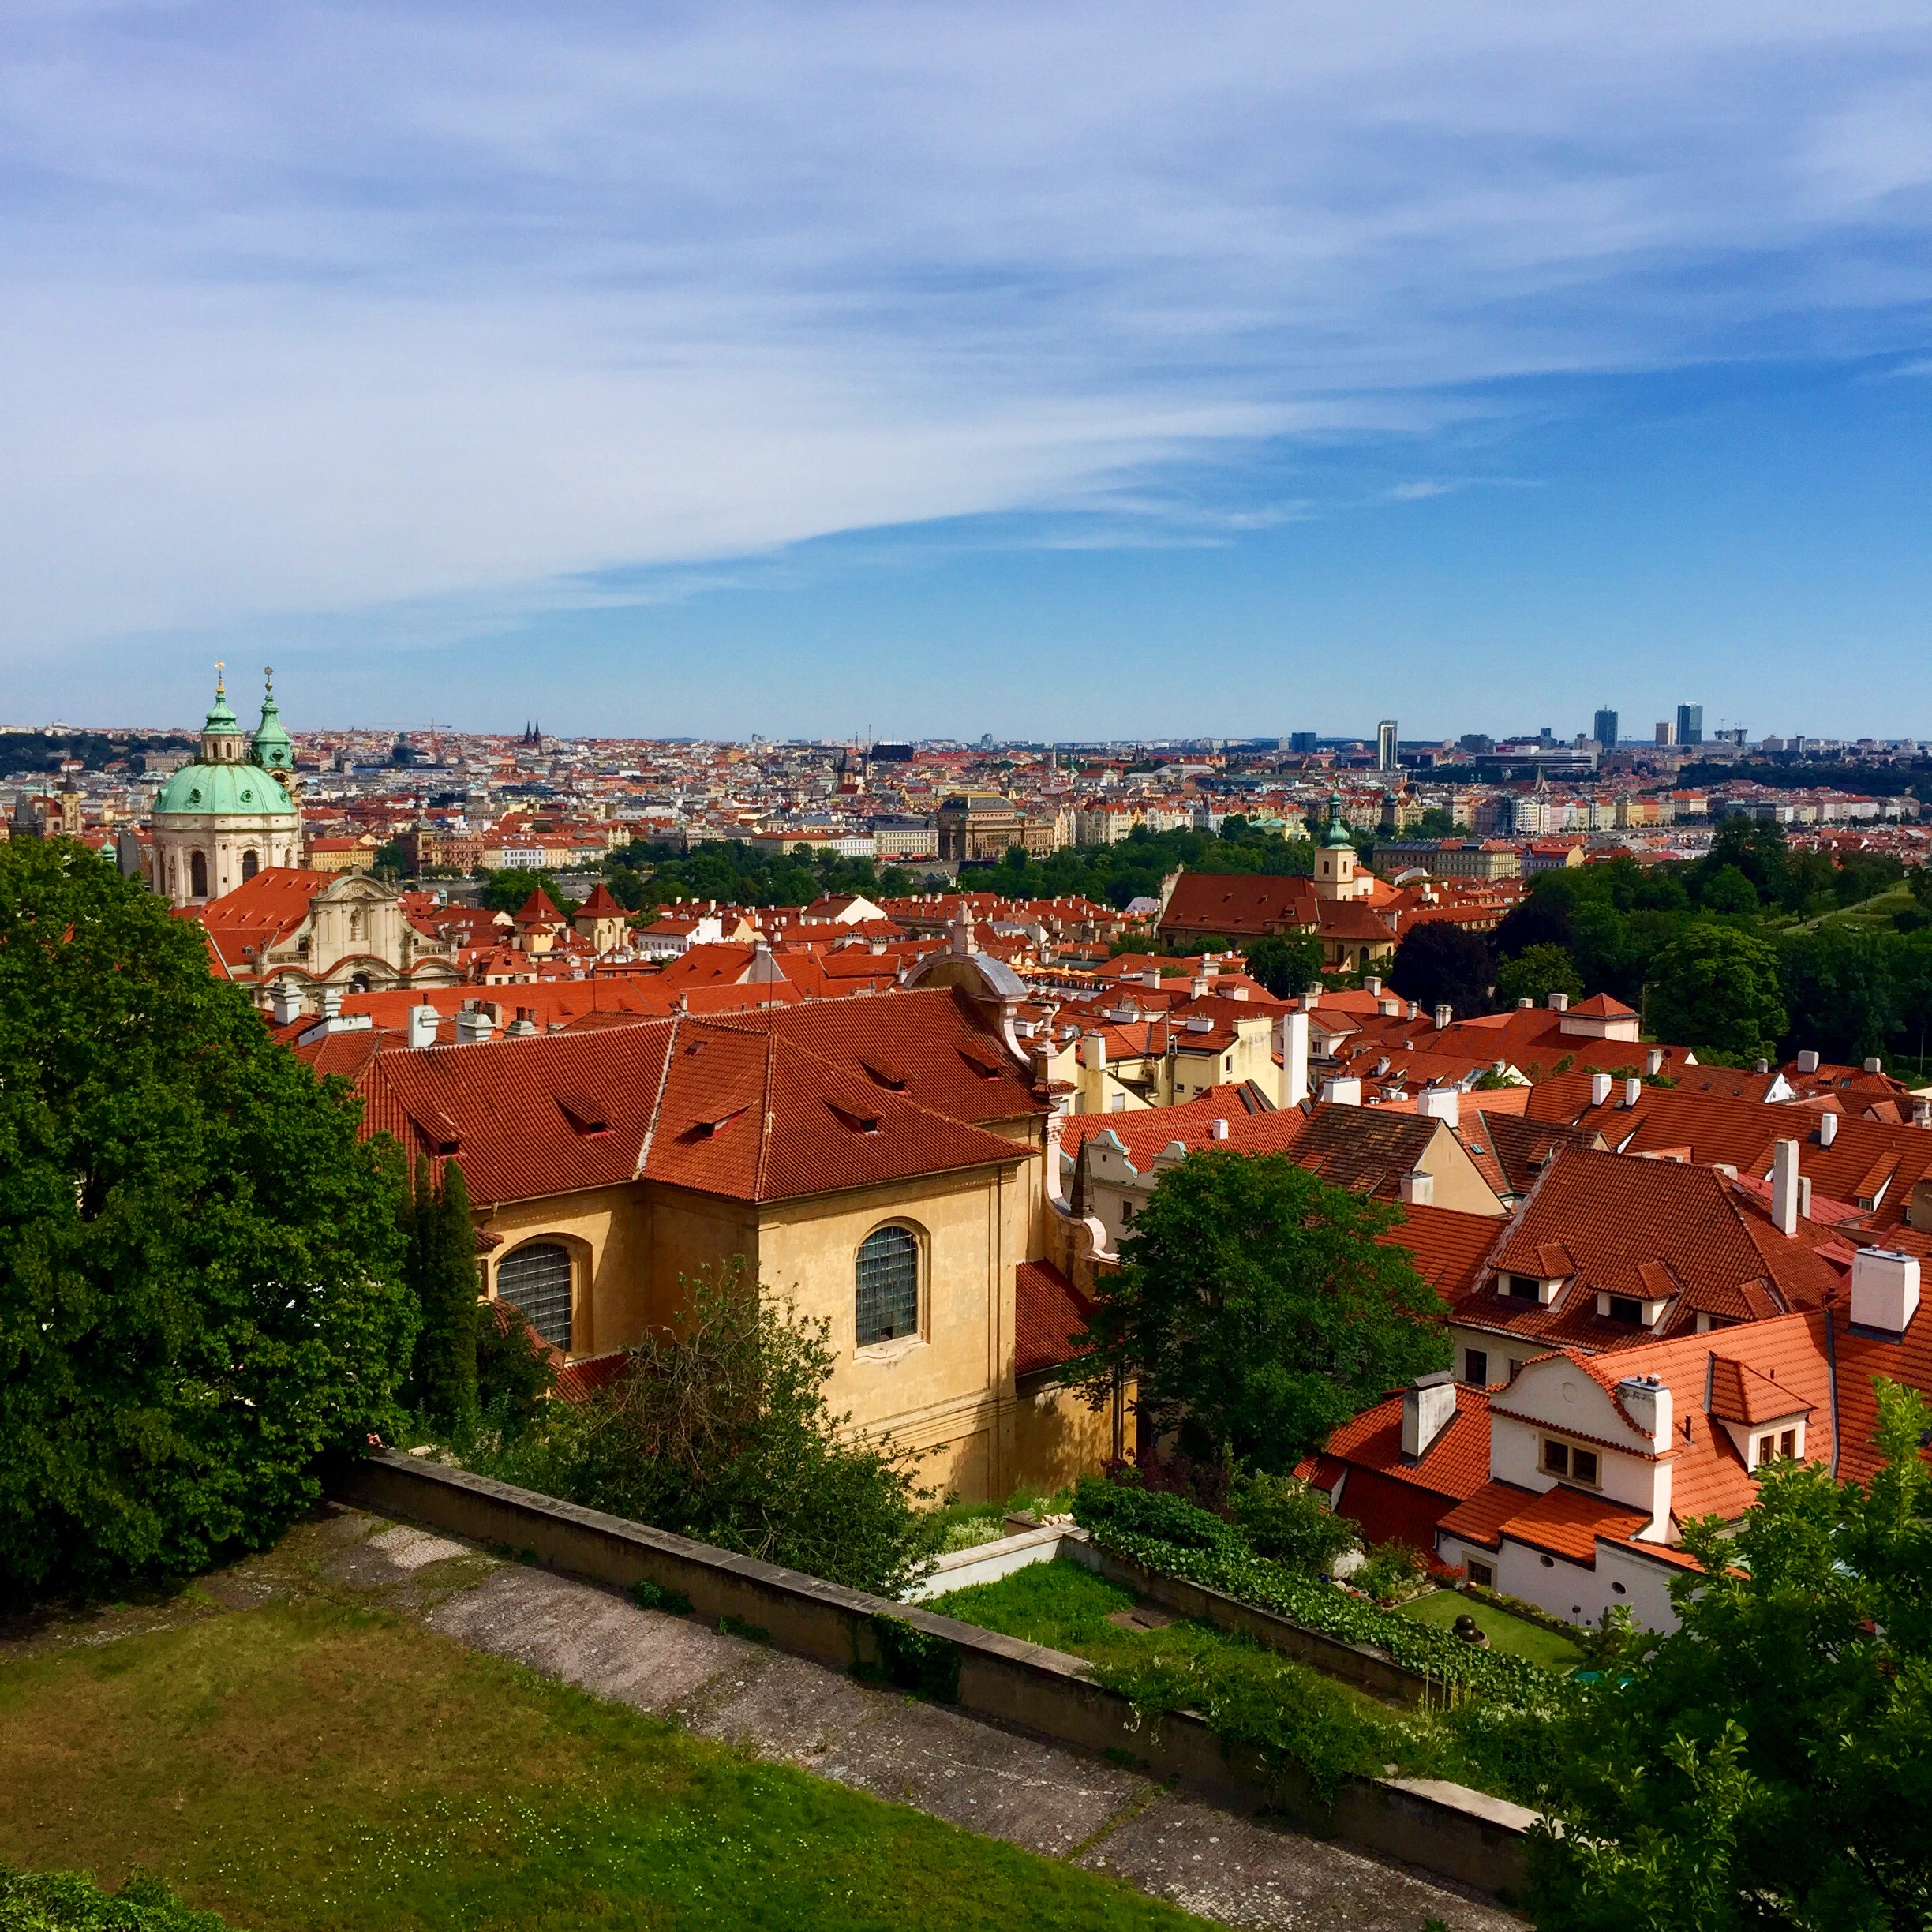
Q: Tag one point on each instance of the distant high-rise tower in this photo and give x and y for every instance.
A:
(1666, 732)
(1386, 757)
(1605, 731)
(1690, 724)
(1303, 743)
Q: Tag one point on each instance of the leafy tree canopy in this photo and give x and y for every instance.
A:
(1287, 965)
(1535, 973)
(199, 1260)
(1256, 1311)
(1718, 987)
(1443, 964)
(1769, 1764)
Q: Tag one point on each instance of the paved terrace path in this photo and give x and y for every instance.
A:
(1045, 1797)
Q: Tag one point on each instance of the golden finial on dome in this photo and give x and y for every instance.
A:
(268, 678)
(220, 666)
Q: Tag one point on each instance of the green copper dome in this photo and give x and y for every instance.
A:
(1337, 831)
(227, 791)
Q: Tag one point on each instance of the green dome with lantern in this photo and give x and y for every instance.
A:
(227, 781)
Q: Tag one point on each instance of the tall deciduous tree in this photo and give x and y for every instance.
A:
(1768, 1763)
(1254, 1309)
(1715, 987)
(1443, 964)
(1285, 965)
(200, 1264)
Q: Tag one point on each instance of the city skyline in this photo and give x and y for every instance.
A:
(487, 369)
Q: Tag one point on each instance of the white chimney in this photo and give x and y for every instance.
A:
(475, 1023)
(1150, 975)
(1524, 1004)
(1294, 1058)
(1646, 1400)
(1633, 1090)
(1599, 1088)
(1807, 1061)
(1418, 1188)
(330, 1001)
(1342, 1092)
(1311, 996)
(1885, 1290)
(1442, 1103)
(1559, 1002)
(1093, 1052)
(1217, 1130)
(1874, 1065)
(1804, 1197)
(285, 1002)
(1428, 1407)
(1828, 1128)
(422, 1025)
(1373, 986)
(1445, 1015)
(1784, 1186)
(1654, 1061)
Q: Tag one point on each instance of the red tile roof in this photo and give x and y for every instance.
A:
(1048, 1312)
(755, 1106)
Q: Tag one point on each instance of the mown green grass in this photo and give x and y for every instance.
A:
(1506, 1632)
(312, 1766)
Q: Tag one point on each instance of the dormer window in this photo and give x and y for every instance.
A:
(1626, 1308)
(1571, 1463)
(1777, 1446)
(1522, 1288)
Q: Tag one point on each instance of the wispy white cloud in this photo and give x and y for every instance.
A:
(323, 307)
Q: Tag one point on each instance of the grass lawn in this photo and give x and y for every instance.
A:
(312, 1764)
(1506, 1632)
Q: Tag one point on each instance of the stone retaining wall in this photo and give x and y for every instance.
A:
(1446, 1828)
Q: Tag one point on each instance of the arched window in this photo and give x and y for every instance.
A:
(197, 876)
(251, 863)
(888, 1271)
(537, 1280)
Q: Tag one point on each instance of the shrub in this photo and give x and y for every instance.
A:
(441, 1270)
(1392, 1570)
(1287, 1522)
(721, 1432)
(72, 1902)
(1128, 1507)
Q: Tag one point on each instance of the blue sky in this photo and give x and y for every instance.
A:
(1092, 370)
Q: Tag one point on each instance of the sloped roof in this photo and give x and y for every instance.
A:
(1455, 1465)
(1048, 1312)
(755, 1106)
(1600, 1219)
(1239, 905)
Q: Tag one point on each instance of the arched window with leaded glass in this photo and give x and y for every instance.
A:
(887, 1285)
(537, 1277)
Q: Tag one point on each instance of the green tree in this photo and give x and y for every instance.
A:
(1537, 972)
(721, 1431)
(1286, 964)
(1770, 1762)
(1728, 890)
(1443, 964)
(442, 1273)
(1839, 989)
(200, 1260)
(1256, 1311)
(509, 891)
(1716, 987)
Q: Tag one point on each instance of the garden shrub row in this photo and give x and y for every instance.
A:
(1176, 1538)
